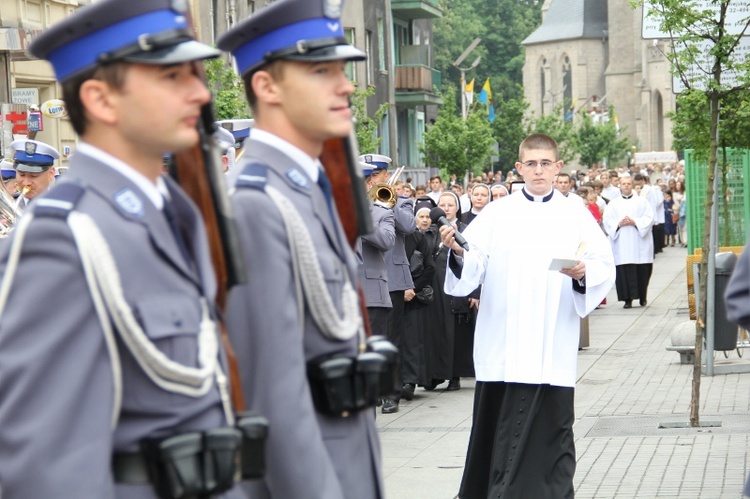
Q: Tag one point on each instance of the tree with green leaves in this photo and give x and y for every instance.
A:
(366, 127)
(227, 89)
(508, 129)
(555, 126)
(502, 25)
(458, 146)
(704, 49)
(599, 142)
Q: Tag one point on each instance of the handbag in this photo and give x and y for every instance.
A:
(426, 295)
(675, 218)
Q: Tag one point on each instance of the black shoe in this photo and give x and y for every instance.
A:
(407, 391)
(628, 304)
(453, 385)
(643, 302)
(434, 384)
(390, 406)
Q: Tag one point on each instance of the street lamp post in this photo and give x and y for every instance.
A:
(457, 64)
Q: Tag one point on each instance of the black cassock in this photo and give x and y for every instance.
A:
(521, 444)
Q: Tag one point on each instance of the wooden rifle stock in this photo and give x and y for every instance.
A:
(340, 159)
(201, 178)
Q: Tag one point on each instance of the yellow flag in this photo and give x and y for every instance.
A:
(469, 92)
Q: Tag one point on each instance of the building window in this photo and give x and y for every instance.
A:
(567, 80)
(368, 51)
(351, 70)
(32, 11)
(542, 83)
(381, 45)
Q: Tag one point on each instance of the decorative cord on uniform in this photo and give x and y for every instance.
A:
(307, 270)
(164, 372)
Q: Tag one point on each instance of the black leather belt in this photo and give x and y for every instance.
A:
(129, 468)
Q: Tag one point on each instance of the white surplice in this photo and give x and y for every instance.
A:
(630, 244)
(528, 323)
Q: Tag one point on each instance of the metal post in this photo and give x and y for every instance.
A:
(463, 93)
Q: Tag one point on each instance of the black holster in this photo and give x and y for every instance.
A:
(254, 430)
(342, 385)
(194, 464)
(389, 377)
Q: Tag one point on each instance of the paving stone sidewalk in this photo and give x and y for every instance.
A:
(628, 386)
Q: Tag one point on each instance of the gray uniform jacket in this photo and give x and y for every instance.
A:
(56, 384)
(310, 455)
(372, 247)
(399, 275)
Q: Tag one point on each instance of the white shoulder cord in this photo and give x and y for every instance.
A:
(99, 306)
(163, 371)
(307, 270)
(106, 292)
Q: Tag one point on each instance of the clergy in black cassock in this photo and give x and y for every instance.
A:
(526, 339)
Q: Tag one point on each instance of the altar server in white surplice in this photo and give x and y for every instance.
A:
(526, 340)
(629, 220)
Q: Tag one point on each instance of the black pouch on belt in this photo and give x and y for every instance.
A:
(331, 385)
(389, 379)
(254, 429)
(221, 449)
(175, 465)
(369, 368)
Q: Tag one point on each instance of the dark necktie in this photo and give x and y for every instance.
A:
(177, 225)
(325, 186)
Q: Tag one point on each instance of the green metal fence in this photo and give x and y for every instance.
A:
(733, 196)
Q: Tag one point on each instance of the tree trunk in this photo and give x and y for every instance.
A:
(700, 324)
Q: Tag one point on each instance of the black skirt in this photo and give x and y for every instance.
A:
(521, 443)
(632, 281)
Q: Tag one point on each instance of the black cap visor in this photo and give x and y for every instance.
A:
(330, 53)
(186, 51)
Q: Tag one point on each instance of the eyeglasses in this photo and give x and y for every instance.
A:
(544, 164)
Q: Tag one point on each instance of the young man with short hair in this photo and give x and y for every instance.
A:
(526, 336)
(299, 315)
(124, 359)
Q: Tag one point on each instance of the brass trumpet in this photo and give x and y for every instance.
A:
(10, 210)
(384, 193)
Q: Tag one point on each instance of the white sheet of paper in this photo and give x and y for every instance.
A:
(562, 263)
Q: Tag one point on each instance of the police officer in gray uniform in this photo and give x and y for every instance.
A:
(371, 250)
(109, 357)
(301, 327)
(400, 283)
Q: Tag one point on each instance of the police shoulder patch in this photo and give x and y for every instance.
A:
(254, 175)
(298, 178)
(130, 202)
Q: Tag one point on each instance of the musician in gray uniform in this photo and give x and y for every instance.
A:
(108, 349)
(400, 284)
(371, 250)
(33, 161)
(300, 313)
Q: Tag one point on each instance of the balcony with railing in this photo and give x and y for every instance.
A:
(416, 9)
(417, 84)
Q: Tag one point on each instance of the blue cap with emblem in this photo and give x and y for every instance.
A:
(147, 32)
(367, 168)
(7, 170)
(297, 30)
(377, 161)
(33, 156)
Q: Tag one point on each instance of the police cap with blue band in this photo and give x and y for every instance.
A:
(141, 31)
(32, 156)
(296, 30)
(7, 170)
(378, 161)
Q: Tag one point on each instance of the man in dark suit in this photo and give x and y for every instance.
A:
(300, 308)
(109, 344)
